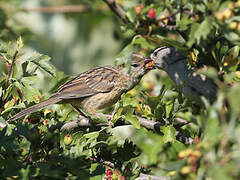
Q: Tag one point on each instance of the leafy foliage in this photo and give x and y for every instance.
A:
(35, 147)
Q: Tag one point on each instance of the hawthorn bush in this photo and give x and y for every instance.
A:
(203, 145)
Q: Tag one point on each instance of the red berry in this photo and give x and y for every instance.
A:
(109, 172)
(151, 13)
(139, 8)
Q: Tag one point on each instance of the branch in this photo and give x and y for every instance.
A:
(147, 177)
(59, 9)
(117, 10)
(148, 124)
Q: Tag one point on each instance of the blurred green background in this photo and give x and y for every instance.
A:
(75, 41)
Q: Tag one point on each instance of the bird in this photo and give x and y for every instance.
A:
(96, 88)
(191, 84)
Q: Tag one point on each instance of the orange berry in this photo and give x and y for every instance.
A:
(233, 25)
(182, 155)
(196, 154)
(171, 173)
(186, 170)
(139, 8)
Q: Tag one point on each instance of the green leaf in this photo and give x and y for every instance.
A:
(169, 133)
(132, 119)
(200, 31)
(183, 24)
(42, 61)
(2, 122)
(194, 28)
(234, 98)
(91, 135)
(169, 109)
(125, 55)
(129, 100)
(131, 14)
(117, 115)
(30, 93)
(30, 80)
(20, 43)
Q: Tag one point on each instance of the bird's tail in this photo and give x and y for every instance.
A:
(34, 108)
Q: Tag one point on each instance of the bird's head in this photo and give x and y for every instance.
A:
(140, 65)
(163, 57)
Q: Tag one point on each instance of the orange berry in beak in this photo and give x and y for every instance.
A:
(149, 64)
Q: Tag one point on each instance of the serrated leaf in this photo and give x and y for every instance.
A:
(30, 93)
(30, 80)
(184, 22)
(42, 61)
(194, 28)
(169, 133)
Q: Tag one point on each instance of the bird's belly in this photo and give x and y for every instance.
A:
(101, 100)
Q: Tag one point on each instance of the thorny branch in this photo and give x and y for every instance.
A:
(148, 124)
(9, 68)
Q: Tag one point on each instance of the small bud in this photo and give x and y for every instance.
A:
(68, 139)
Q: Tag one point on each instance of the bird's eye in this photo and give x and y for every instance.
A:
(135, 65)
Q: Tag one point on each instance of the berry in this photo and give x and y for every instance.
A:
(109, 172)
(68, 139)
(186, 170)
(151, 13)
(139, 8)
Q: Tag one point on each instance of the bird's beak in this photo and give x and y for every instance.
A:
(148, 64)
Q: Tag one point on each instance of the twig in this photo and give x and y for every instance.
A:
(9, 67)
(168, 27)
(59, 9)
(117, 10)
(101, 161)
(152, 125)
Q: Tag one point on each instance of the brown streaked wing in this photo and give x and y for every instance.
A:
(98, 80)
